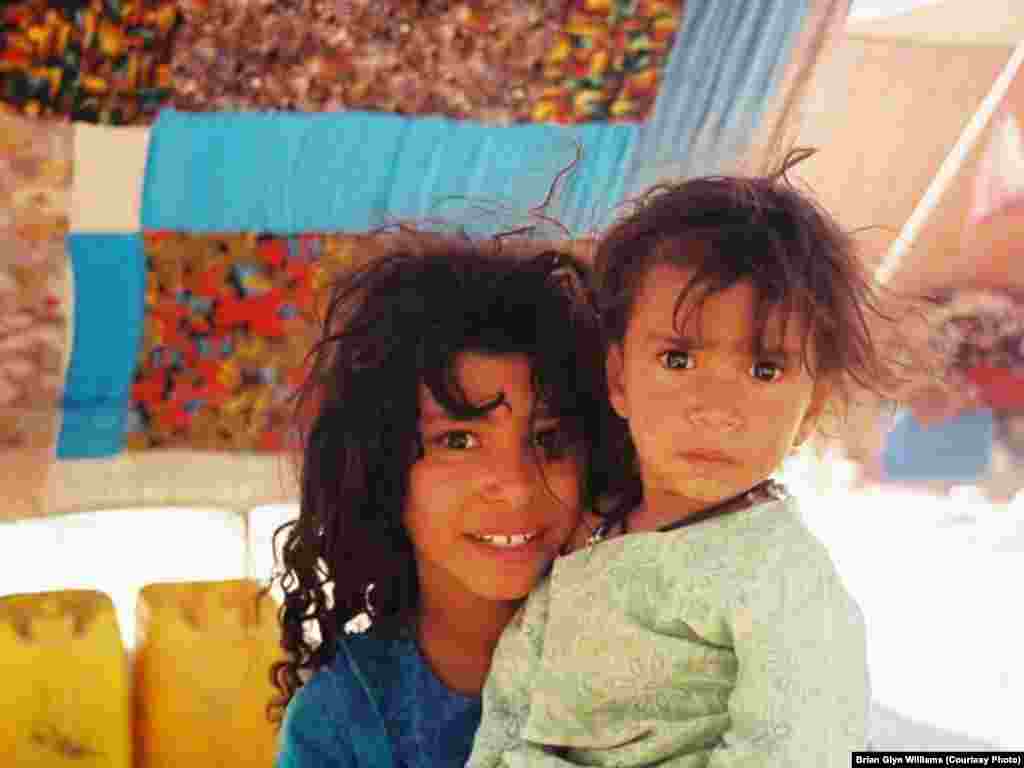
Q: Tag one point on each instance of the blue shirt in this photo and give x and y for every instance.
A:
(334, 719)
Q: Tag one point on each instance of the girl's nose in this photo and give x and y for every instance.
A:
(509, 481)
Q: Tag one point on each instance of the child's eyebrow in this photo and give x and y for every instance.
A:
(691, 342)
(683, 340)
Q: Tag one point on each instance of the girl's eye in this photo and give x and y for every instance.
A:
(766, 371)
(554, 442)
(457, 441)
(677, 360)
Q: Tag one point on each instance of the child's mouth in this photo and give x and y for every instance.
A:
(707, 457)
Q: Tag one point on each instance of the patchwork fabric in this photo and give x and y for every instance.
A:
(110, 164)
(109, 278)
(35, 177)
(607, 61)
(354, 171)
(229, 322)
(434, 57)
(97, 61)
(494, 61)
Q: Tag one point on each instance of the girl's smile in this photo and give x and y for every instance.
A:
(516, 546)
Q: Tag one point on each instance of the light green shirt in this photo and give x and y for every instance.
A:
(731, 642)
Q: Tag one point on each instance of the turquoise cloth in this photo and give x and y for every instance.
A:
(728, 643)
(109, 291)
(723, 72)
(377, 705)
(287, 173)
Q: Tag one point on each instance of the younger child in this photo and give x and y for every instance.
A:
(717, 632)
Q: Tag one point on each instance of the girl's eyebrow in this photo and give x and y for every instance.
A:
(431, 414)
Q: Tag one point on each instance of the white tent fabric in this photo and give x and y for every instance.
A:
(949, 22)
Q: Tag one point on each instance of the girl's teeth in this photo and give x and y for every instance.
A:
(516, 540)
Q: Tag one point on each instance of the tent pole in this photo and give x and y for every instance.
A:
(950, 166)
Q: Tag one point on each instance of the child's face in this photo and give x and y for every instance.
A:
(709, 418)
(481, 478)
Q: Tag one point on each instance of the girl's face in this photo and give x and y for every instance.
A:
(482, 521)
(710, 418)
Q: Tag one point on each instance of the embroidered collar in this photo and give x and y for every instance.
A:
(769, 489)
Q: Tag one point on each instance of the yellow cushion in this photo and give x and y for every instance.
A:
(64, 698)
(202, 675)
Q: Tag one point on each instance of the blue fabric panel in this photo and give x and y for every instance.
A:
(721, 75)
(287, 173)
(109, 287)
(957, 450)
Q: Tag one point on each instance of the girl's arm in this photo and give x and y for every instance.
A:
(802, 695)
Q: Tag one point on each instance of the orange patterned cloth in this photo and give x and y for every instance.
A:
(229, 322)
(495, 61)
(97, 61)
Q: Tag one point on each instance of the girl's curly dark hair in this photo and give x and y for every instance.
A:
(394, 324)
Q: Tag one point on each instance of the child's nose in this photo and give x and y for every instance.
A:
(718, 419)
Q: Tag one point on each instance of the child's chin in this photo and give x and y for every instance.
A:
(707, 489)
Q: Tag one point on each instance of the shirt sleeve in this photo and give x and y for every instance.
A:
(312, 735)
(802, 694)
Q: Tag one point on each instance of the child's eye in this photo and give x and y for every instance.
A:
(554, 442)
(677, 360)
(766, 371)
(458, 440)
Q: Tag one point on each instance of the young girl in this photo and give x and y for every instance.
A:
(717, 632)
(456, 389)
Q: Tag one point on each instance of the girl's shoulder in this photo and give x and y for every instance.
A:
(335, 713)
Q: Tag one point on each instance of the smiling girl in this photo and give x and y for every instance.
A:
(456, 390)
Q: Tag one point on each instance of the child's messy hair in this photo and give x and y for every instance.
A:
(760, 229)
(394, 324)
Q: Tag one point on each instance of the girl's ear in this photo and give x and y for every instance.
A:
(615, 373)
(819, 399)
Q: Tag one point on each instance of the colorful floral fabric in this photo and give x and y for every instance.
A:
(488, 60)
(97, 61)
(35, 179)
(229, 322)
(464, 60)
(607, 61)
